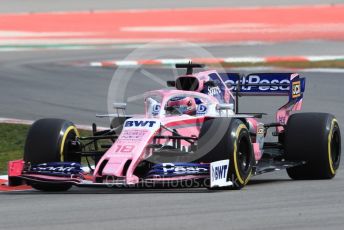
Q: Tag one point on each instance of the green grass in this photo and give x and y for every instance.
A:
(12, 141)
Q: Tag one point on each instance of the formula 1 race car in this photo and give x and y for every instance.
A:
(192, 135)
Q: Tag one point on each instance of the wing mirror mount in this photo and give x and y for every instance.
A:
(119, 110)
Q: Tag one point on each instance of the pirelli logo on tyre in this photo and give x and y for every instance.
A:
(296, 89)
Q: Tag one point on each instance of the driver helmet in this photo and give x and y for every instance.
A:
(183, 105)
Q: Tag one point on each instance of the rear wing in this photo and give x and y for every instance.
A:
(267, 84)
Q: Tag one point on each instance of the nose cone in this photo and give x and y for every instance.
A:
(126, 153)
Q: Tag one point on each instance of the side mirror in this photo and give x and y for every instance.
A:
(118, 106)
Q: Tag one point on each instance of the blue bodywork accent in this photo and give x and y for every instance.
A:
(178, 169)
(217, 91)
(267, 84)
(56, 169)
(278, 81)
(259, 84)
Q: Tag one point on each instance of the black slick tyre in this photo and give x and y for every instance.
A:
(234, 145)
(48, 141)
(315, 139)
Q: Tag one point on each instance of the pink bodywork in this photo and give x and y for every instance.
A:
(131, 144)
(283, 113)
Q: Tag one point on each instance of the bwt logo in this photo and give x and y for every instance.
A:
(139, 123)
(219, 172)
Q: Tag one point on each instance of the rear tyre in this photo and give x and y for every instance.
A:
(235, 145)
(48, 140)
(315, 139)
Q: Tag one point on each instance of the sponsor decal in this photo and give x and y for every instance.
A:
(213, 91)
(201, 109)
(179, 169)
(218, 174)
(182, 169)
(139, 123)
(58, 168)
(133, 135)
(156, 109)
(296, 90)
(255, 79)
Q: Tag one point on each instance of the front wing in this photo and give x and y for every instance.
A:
(195, 175)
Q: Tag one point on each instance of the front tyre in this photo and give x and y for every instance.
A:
(234, 145)
(48, 140)
(242, 158)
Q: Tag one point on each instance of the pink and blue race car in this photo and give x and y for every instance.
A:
(192, 135)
